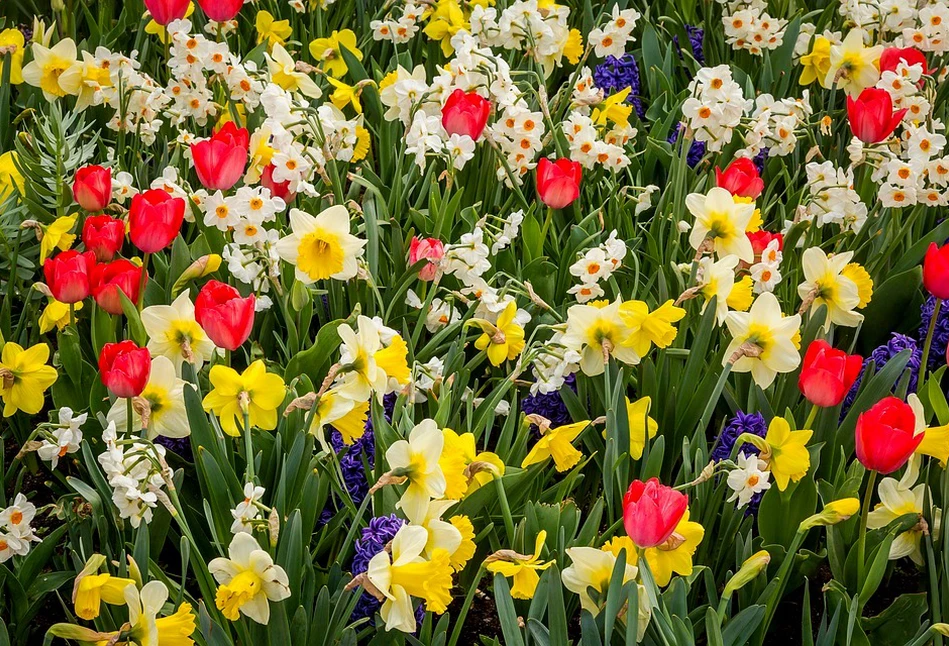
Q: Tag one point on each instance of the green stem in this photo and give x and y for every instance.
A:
(862, 536)
(929, 337)
(141, 282)
(781, 582)
(713, 400)
(460, 620)
(248, 447)
(809, 422)
(505, 511)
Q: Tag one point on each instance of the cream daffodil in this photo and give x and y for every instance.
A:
(443, 534)
(853, 67)
(720, 224)
(898, 498)
(283, 72)
(48, 65)
(360, 375)
(321, 247)
(764, 341)
(593, 568)
(597, 331)
(416, 460)
(342, 413)
(161, 405)
(248, 580)
(173, 332)
(717, 279)
(826, 283)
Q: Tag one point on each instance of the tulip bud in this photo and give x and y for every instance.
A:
(220, 160)
(431, 249)
(886, 435)
(558, 183)
(92, 187)
(164, 11)
(749, 570)
(124, 368)
(827, 374)
(740, 178)
(221, 10)
(833, 512)
(465, 113)
(871, 115)
(651, 512)
(299, 295)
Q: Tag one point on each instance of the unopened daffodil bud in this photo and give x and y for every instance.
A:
(749, 570)
(833, 512)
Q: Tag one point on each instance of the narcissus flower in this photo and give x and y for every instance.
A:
(248, 580)
(898, 498)
(674, 555)
(827, 374)
(557, 443)
(641, 426)
(763, 340)
(720, 224)
(92, 187)
(12, 39)
(173, 332)
(92, 588)
(146, 627)
(834, 512)
(853, 67)
(593, 568)
(826, 283)
(466, 469)
(321, 247)
(24, 377)
(284, 73)
(58, 236)
(598, 331)
(650, 328)
(443, 535)
(444, 22)
(255, 392)
(343, 414)
(405, 573)
(56, 315)
(416, 460)
(11, 180)
(275, 32)
(816, 64)
(328, 51)
(366, 364)
(124, 368)
(48, 65)
(522, 567)
(785, 451)
(501, 341)
(652, 511)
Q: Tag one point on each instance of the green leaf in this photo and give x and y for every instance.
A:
(507, 615)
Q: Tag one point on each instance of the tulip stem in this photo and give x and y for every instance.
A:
(862, 536)
(141, 282)
(72, 316)
(923, 369)
(809, 422)
(248, 447)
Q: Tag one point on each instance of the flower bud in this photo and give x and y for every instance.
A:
(833, 512)
(749, 570)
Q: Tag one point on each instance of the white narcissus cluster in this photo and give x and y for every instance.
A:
(715, 106)
(136, 471)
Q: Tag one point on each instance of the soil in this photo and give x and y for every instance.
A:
(482, 619)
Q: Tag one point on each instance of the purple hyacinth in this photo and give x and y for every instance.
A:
(880, 356)
(615, 74)
(937, 351)
(695, 34)
(550, 405)
(696, 150)
(741, 423)
(178, 445)
(373, 540)
(759, 160)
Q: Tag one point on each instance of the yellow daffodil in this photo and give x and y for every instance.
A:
(160, 407)
(467, 548)
(597, 331)
(522, 567)
(754, 224)
(750, 568)
(573, 47)
(861, 278)
(446, 20)
(56, 315)
(48, 65)
(650, 328)
(283, 72)
(614, 108)
(675, 555)
(174, 333)
(443, 534)
(592, 568)
(403, 574)
(11, 179)
(342, 413)
(156, 29)
(275, 32)
(91, 588)
(248, 580)
(363, 143)
(12, 40)
(24, 378)
(255, 391)
(417, 461)
(58, 236)
(763, 340)
(556, 443)
(458, 454)
(720, 224)
(717, 279)
(344, 95)
(261, 154)
(853, 67)
(328, 51)
(898, 498)
(827, 283)
(321, 247)
(145, 627)
(502, 341)
(836, 511)
(641, 426)
(816, 64)
(786, 452)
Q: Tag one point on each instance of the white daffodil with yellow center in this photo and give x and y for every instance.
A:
(416, 460)
(597, 331)
(360, 375)
(717, 279)
(764, 341)
(145, 627)
(444, 534)
(720, 224)
(853, 67)
(48, 66)
(827, 283)
(321, 247)
(248, 580)
(593, 568)
(161, 405)
(403, 574)
(173, 332)
(898, 498)
(342, 413)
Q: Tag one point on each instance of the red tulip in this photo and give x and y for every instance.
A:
(432, 249)
(886, 435)
(871, 115)
(220, 160)
(164, 11)
(558, 182)
(891, 57)
(109, 278)
(221, 10)
(277, 189)
(740, 178)
(103, 235)
(936, 271)
(651, 512)
(124, 368)
(155, 219)
(68, 275)
(225, 316)
(827, 374)
(92, 187)
(465, 113)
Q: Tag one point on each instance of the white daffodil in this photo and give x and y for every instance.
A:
(592, 568)
(772, 340)
(898, 498)
(162, 404)
(416, 459)
(722, 221)
(321, 247)
(598, 333)
(173, 332)
(826, 283)
(248, 580)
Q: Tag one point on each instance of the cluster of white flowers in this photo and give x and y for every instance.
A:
(894, 17)
(244, 212)
(519, 133)
(255, 264)
(247, 510)
(832, 198)
(62, 438)
(596, 264)
(749, 478)
(920, 174)
(552, 364)
(805, 37)
(612, 38)
(749, 26)
(903, 85)
(767, 271)
(398, 30)
(590, 148)
(715, 106)
(775, 124)
(136, 471)
(15, 531)
(425, 377)
(930, 33)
